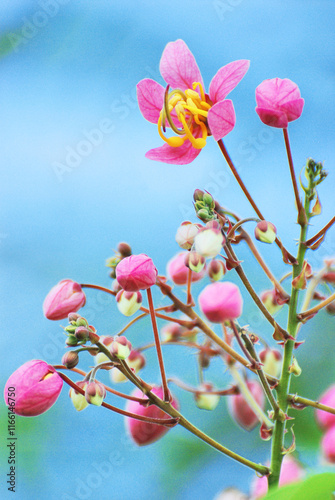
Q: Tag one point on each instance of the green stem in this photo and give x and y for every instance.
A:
(285, 379)
(294, 398)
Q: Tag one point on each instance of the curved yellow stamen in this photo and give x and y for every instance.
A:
(197, 143)
(197, 111)
(174, 141)
(202, 93)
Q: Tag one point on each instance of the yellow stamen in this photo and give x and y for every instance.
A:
(174, 141)
(197, 111)
(202, 93)
(197, 143)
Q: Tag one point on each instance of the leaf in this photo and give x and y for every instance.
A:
(317, 487)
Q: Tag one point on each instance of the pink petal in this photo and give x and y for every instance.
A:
(221, 119)
(226, 79)
(293, 109)
(178, 156)
(178, 66)
(275, 92)
(272, 117)
(150, 96)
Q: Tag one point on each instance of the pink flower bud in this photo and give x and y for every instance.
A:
(128, 303)
(241, 411)
(325, 419)
(291, 472)
(64, 298)
(136, 361)
(328, 445)
(35, 387)
(121, 347)
(186, 234)
(271, 359)
(265, 232)
(208, 242)
(70, 359)
(144, 433)
(136, 272)
(221, 302)
(178, 271)
(78, 400)
(195, 261)
(95, 393)
(278, 102)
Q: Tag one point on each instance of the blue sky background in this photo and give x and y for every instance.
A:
(66, 68)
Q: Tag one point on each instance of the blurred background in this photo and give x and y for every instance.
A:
(69, 194)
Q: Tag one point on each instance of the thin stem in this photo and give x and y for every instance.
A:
(243, 348)
(294, 398)
(315, 309)
(293, 177)
(239, 224)
(189, 283)
(248, 195)
(206, 349)
(320, 233)
(158, 346)
(195, 390)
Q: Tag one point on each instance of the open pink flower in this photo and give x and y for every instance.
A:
(34, 388)
(187, 109)
(278, 102)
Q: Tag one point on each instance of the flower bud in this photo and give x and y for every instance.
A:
(221, 302)
(195, 261)
(206, 401)
(101, 357)
(64, 298)
(136, 272)
(37, 387)
(271, 359)
(95, 393)
(291, 472)
(172, 332)
(71, 341)
(144, 433)
(205, 214)
(295, 368)
(82, 333)
(70, 359)
(265, 232)
(216, 269)
(121, 347)
(124, 249)
(239, 409)
(325, 419)
(178, 272)
(186, 234)
(78, 400)
(135, 361)
(128, 303)
(208, 242)
(116, 287)
(328, 445)
(198, 195)
(270, 299)
(73, 317)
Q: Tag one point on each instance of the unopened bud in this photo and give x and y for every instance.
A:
(265, 232)
(295, 368)
(205, 214)
(124, 249)
(206, 401)
(216, 269)
(271, 359)
(198, 195)
(81, 333)
(78, 400)
(186, 233)
(128, 303)
(135, 361)
(208, 242)
(121, 347)
(241, 411)
(70, 359)
(195, 261)
(71, 341)
(95, 393)
(271, 302)
(101, 357)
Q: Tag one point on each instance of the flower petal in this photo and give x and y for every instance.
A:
(226, 79)
(150, 97)
(272, 117)
(178, 156)
(221, 119)
(293, 109)
(276, 92)
(178, 66)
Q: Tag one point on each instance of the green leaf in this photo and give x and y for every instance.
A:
(317, 487)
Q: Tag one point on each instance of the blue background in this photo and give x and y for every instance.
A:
(66, 68)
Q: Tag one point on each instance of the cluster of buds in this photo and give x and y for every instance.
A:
(79, 331)
(123, 251)
(204, 205)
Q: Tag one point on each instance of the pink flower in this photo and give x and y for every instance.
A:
(241, 411)
(34, 388)
(221, 302)
(187, 109)
(328, 445)
(291, 472)
(136, 272)
(64, 298)
(144, 433)
(178, 271)
(325, 419)
(278, 102)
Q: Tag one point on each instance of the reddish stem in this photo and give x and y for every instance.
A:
(320, 233)
(293, 177)
(158, 346)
